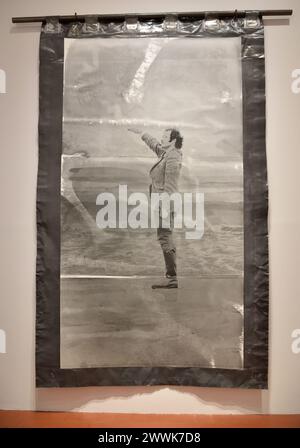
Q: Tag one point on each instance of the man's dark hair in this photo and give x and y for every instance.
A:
(175, 135)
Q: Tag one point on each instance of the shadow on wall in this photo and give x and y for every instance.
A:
(149, 400)
(276, 22)
(25, 28)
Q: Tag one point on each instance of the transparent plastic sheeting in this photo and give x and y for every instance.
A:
(129, 110)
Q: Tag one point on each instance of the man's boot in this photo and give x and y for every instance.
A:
(169, 283)
(171, 275)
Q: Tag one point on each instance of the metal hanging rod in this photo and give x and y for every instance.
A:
(156, 16)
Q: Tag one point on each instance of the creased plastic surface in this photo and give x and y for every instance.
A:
(253, 268)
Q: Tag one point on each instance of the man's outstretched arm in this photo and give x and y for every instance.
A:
(150, 141)
(153, 144)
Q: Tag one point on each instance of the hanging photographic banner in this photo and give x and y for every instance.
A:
(152, 204)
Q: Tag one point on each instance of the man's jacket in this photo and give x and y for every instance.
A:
(165, 173)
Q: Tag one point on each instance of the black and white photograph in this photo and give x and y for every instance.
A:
(144, 282)
(150, 217)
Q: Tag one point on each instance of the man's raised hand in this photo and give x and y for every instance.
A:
(135, 130)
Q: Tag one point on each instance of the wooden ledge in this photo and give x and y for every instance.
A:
(28, 419)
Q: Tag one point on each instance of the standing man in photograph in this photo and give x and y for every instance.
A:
(164, 179)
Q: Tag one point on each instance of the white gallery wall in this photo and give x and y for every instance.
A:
(19, 46)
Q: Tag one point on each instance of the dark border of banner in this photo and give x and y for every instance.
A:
(256, 279)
